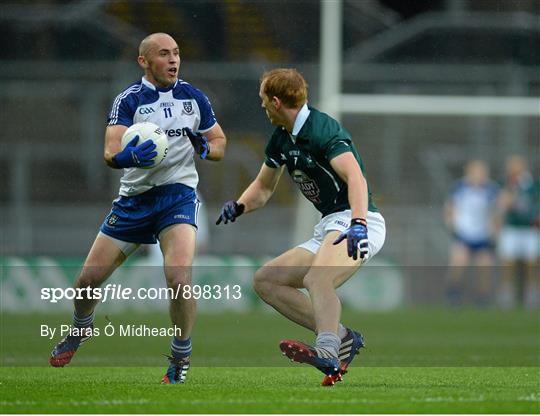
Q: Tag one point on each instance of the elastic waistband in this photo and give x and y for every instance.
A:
(163, 190)
(369, 213)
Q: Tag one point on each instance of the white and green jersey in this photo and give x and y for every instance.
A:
(315, 140)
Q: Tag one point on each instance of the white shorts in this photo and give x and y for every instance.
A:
(340, 221)
(519, 243)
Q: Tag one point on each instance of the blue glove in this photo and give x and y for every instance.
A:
(199, 142)
(230, 211)
(134, 156)
(357, 239)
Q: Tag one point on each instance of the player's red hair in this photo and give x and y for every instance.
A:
(287, 84)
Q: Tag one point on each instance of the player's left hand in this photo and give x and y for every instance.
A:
(199, 142)
(357, 239)
(230, 211)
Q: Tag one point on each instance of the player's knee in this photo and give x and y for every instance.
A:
(90, 277)
(177, 277)
(312, 281)
(308, 281)
(262, 282)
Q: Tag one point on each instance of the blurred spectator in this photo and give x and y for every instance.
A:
(519, 239)
(470, 215)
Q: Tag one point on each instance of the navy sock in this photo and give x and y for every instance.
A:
(180, 348)
(83, 321)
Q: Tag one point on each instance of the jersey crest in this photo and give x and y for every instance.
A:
(188, 108)
(113, 218)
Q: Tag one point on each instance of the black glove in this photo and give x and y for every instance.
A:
(199, 142)
(230, 211)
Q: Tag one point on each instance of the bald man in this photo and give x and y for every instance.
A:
(158, 204)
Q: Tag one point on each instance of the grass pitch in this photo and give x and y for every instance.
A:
(271, 390)
(419, 361)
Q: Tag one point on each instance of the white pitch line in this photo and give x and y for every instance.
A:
(533, 397)
(113, 402)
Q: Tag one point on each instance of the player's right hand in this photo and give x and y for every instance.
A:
(134, 156)
(230, 211)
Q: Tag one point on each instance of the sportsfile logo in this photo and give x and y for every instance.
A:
(112, 291)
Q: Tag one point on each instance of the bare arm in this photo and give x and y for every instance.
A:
(503, 204)
(217, 142)
(348, 169)
(113, 143)
(261, 189)
(449, 214)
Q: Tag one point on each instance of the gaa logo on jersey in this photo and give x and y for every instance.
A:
(188, 107)
(146, 110)
(113, 218)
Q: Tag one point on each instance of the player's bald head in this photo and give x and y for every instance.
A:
(153, 40)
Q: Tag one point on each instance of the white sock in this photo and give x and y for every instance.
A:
(328, 341)
(342, 331)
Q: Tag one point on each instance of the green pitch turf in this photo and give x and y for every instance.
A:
(271, 390)
(417, 361)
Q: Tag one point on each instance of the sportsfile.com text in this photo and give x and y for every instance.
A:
(113, 291)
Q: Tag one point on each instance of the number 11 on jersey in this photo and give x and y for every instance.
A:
(168, 112)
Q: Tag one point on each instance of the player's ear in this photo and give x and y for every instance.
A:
(142, 62)
(276, 102)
